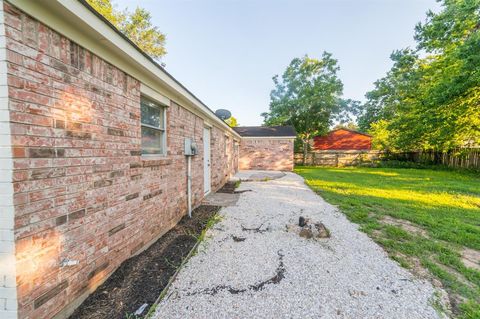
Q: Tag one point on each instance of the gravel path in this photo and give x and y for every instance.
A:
(251, 267)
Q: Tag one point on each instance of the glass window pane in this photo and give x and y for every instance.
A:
(152, 141)
(152, 114)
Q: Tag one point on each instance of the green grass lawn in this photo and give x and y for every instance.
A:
(423, 218)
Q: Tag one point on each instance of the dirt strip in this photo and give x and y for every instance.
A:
(141, 279)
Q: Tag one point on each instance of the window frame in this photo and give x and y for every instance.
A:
(163, 108)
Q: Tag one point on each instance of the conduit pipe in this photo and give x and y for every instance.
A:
(189, 185)
(190, 150)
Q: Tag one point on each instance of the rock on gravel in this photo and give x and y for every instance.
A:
(273, 273)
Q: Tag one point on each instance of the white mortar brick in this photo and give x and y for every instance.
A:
(6, 292)
(8, 289)
(6, 163)
(6, 314)
(7, 246)
(6, 219)
(5, 176)
(5, 187)
(6, 235)
(3, 104)
(4, 113)
(5, 128)
(10, 281)
(12, 304)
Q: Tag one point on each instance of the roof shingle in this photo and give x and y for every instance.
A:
(266, 131)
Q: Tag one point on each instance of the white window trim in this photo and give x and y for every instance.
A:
(164, 130)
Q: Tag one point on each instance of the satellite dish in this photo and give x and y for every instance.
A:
(223, 114)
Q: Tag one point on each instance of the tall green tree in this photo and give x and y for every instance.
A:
(307, 96)
(136, 25)
(430, 98)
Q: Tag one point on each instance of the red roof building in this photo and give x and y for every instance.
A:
(343, 139)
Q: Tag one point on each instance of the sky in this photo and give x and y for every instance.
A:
(227, 51)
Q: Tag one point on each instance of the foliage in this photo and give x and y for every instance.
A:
(232, 122)
(136, 25)
(382, 137)
(307, 96)
(430, 97)
(349, 126)
(439, 207)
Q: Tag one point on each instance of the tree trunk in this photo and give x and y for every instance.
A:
(305, 151)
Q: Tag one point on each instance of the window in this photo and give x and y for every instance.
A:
(153, 128)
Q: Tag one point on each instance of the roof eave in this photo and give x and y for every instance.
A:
(89, 23)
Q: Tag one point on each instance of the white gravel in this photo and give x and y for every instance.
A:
(277, 274)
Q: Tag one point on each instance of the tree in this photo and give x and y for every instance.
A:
(389, 91)
(232, 122)
(349, 126)
(429, 99)
(383, 138)
(307, 96)
(136, 25)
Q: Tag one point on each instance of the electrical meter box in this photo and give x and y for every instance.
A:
(190, 147)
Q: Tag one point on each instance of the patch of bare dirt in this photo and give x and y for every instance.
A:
(417, 269)
(405, 225)
(230, 187)
(455, 299)
(140, 279)
(471, 258)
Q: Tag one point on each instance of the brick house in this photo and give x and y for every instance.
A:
(266, 148)
(342, 139)
(92, 149)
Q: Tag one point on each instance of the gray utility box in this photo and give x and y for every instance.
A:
(190, 147)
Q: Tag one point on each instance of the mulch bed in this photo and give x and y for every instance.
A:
(142, 278)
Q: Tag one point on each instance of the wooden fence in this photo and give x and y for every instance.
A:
(465, 158)
(339, 158)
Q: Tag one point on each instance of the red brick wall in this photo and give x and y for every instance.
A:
(342, 140)
(82, 190)
(266, 154)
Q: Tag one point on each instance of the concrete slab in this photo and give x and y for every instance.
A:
(258, 176)
(221, 199)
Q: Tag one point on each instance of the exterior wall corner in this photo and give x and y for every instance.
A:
(8, 286)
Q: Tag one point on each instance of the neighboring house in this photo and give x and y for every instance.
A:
(266, 147)
(342, 139)
(93, 167)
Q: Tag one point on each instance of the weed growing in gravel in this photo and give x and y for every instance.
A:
(237, 183)
(210, 223)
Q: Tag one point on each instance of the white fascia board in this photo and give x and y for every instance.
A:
(76, 22)
(154, 95)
